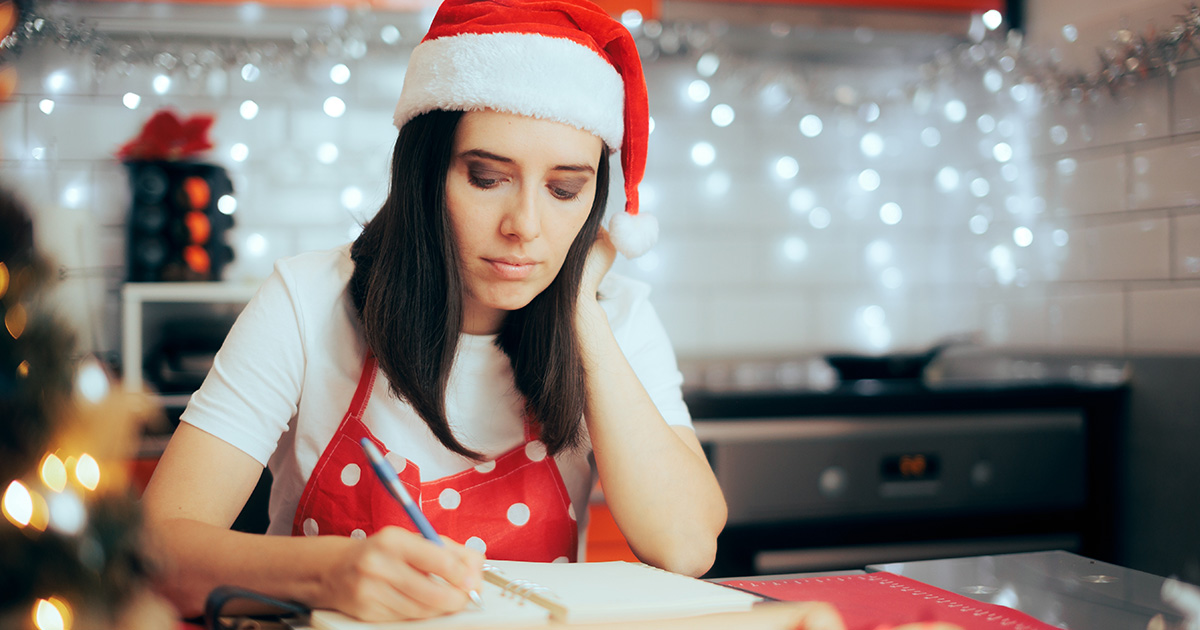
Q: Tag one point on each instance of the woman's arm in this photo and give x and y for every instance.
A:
(657, 482)
(198, 488)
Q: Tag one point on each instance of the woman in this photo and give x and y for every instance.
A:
(471, 333)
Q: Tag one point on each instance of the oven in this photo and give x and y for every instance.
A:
(853, 475)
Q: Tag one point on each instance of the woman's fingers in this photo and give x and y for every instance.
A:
(396, 574)
(599, 260)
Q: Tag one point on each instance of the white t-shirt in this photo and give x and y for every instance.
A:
(284, 378)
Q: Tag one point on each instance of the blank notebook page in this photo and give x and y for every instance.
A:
(581, 592)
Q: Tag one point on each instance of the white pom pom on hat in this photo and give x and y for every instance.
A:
(561, 60)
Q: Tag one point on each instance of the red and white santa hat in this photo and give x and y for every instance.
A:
(561, 60)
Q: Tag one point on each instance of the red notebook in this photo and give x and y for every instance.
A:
(880, 600)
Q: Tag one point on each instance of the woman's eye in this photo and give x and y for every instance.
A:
(483, 182)
(563, 193)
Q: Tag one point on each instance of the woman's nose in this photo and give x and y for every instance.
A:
(522, 219)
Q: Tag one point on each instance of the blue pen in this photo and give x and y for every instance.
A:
(391, 481)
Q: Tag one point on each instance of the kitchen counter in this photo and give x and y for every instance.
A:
(1058, 588)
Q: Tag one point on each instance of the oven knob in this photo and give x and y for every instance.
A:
(981, 473)
(832, 481)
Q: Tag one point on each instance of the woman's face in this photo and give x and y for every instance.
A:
(518, 191)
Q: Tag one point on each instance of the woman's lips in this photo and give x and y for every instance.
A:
(511, 269)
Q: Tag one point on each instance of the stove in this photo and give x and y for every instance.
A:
(1000, 456)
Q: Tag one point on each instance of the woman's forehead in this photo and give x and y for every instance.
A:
(525, 137)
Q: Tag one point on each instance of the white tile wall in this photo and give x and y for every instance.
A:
(1187, 246)
(1165, 320)
(1166, 176)
(1135, 249)
(744, 265)
(1091, 322)
(1087, 185)
(1187, 101)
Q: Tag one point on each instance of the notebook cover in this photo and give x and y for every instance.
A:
(876, 601)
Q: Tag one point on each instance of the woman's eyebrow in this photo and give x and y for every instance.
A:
(488, 155)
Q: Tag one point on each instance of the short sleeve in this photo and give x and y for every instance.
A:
(644, 340)
(253, 389)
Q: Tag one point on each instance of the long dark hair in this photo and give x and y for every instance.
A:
(407, 290)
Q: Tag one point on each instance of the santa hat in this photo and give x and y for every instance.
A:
(561, 60)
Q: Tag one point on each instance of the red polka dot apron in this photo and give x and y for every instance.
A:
(515, 507)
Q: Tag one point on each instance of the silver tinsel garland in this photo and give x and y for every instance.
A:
(1128, 59)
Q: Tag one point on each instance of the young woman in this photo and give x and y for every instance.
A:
(472, 332)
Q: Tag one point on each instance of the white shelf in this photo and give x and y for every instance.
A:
(134, 295)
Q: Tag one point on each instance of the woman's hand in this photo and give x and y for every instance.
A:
(397, 574)
(599, 260)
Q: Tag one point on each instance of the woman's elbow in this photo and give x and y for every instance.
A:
(694, 557)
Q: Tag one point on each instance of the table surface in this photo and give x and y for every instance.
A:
(1057, 587)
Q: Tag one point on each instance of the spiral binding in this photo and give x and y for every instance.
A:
(524, 590)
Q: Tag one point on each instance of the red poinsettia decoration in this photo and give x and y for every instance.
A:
(166, 137)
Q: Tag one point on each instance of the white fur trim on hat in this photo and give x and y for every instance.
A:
(520, 73)
(633, 234)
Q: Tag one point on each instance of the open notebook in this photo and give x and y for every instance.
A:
(533, 593)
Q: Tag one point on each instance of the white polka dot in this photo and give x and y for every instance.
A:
(561, 559)
(571, 511)
(358, 534)
(310, 527)
(396, 461)
(476, 543)
(486, 467)
(350, 474)
(449, 499)
(535, 451)
(518, 514)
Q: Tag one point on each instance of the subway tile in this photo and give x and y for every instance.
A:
(943, 310)
(713, 261)
(1165, 321)
(266, 132)
(1186, 230)
(70, 237)
(672, 142)
(256, 248)
(379, 80)
(727, 280)
(79, 302)
(32, 182)
(1018, 319)
(1132, 250)
(682, 315)
(325, 237)
(110, 249)
(866, 321)
(110, 186)
(745, 323)
(81, 128)
(297, 206)
(53, 71)
(1082, 186)
(310, 127)
(13, 145)
(1187, 100)
(1166, 177)
(1132, 115)
(808, 258)
(1094, 322)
